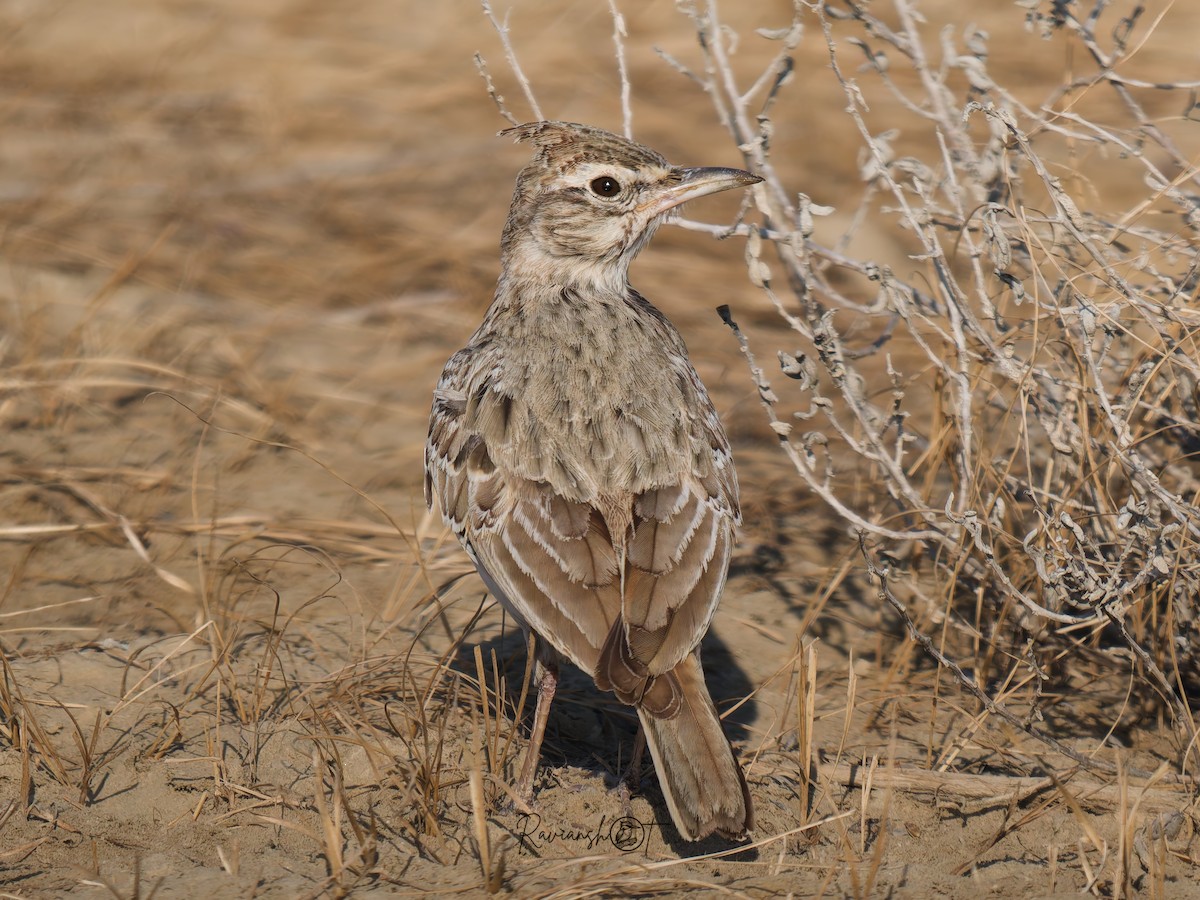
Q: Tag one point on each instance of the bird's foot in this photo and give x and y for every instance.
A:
(522, 805)
(631, 778)
(624, 790)
(520, 795)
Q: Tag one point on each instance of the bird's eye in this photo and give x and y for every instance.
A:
(604, 186)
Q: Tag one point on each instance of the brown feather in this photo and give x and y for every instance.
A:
(659, 543)
(701, 781)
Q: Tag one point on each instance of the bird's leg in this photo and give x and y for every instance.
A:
(632, 777)
(547, 675)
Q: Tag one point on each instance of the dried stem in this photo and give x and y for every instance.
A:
(1055, 477)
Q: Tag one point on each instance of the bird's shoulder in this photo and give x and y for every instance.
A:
(597, 400)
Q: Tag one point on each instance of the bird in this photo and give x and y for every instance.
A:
(579, 460)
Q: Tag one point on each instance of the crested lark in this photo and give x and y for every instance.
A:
(576, 454)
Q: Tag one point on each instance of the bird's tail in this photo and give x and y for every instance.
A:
(701, 781)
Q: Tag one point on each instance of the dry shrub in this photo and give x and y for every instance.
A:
(1020, 400)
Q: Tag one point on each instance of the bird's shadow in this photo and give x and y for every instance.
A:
(590, 729)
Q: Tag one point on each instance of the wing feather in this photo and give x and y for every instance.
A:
(621, 573)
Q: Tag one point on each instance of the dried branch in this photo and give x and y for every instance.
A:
(619, 35)
(1056, 475)
(510, 56)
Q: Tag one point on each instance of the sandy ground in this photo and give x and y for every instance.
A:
(237, 242)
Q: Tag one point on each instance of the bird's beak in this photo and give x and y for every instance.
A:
(692, 183)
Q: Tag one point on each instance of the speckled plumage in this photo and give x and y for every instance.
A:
(578, 458)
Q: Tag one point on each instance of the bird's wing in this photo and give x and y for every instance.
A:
(676, 562)
(550, 560)
(625, 582)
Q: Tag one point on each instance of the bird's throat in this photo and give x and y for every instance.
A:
(533, 270)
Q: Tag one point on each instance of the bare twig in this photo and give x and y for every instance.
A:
(510, 56)
(619, 35)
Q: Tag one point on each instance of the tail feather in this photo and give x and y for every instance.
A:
(703, 784)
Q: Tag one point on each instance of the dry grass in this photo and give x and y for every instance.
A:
(958, 650)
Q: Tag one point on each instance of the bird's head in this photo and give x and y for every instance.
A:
(590, 200)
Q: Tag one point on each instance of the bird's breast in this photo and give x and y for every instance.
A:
(592, 398)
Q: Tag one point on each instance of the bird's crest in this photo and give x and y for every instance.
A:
(560, 145)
